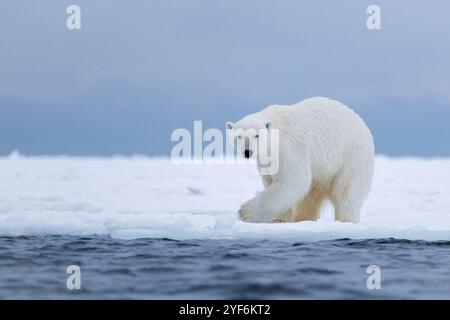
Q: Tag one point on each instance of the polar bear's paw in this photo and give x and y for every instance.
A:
(247, 212)
(283, 218)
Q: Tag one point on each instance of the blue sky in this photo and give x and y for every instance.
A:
(139, 69)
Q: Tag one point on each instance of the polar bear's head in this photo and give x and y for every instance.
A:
(250, 132)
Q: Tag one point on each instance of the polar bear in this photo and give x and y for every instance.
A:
(326, 152)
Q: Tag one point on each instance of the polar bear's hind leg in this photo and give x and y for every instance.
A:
(348, 190)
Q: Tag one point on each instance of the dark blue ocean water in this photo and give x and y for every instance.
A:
(35, 268)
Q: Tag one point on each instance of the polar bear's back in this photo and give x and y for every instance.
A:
(327, 130)
(329, 117)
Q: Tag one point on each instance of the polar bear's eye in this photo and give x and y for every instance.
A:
(257, 136)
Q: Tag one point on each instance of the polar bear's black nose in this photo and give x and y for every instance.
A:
(248, 153)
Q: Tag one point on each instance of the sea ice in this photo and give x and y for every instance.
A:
(133, 197)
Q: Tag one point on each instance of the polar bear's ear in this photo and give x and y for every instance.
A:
(269, 125)
(229, 125)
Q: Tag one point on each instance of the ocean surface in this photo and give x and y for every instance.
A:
(34, 267)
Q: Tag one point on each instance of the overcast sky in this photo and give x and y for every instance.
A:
(139, 69)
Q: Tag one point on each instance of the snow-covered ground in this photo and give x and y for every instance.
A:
(151, 197)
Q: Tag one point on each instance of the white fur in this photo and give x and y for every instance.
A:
(326, 152)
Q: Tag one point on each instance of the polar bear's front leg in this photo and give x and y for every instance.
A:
(276, 199)
(247, 211)
(266, 180)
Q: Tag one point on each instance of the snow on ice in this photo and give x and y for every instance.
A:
(134, 197)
